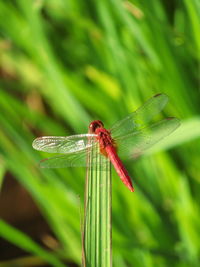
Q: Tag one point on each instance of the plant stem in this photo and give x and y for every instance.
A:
(97, 218)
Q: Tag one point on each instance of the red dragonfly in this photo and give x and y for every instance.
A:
(127, 138)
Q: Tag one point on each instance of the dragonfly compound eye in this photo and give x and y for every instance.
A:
(94, 125)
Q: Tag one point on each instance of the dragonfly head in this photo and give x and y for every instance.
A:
(94, 125)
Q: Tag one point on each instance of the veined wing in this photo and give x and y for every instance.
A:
(64, 144)
(140, 117)
(134, 144)
(81, 158)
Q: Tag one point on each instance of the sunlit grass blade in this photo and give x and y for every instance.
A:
(97, 217)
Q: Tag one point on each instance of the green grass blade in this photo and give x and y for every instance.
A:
(188, 130)
(25, 242)
(97, 225)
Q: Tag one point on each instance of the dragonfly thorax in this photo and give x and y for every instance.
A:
(104, 138)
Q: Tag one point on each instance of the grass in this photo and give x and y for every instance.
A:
(97, 241)
(64, 64)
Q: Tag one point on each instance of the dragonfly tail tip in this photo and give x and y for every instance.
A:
(131, 188)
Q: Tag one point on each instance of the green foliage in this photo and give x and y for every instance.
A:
(66, 63)
(24, 242)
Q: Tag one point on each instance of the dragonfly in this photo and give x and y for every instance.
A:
(128, 138)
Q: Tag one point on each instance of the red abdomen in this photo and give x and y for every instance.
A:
(119, 167)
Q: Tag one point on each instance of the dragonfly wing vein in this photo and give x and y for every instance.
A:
(139, 118)
(133, 145)
(64, 144)
(77, 159)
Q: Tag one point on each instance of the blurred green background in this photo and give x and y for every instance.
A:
(66, 63)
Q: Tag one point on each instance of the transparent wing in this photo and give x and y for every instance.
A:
(134, 144)
(64, 144)
(82, 158)
(140, 117)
